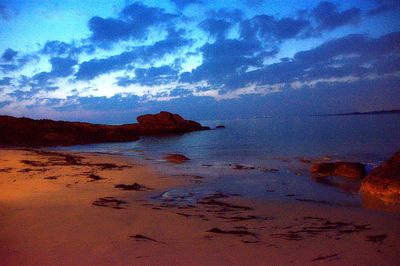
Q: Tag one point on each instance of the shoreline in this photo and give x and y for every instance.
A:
(64, 208)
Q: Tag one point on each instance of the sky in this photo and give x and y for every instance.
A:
(109, 61)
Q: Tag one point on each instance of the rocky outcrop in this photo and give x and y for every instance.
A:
(384, 181)
(220, 127)
(166, 123)
(29, 132)
(343, 169)
(176, 158)
(40, 133)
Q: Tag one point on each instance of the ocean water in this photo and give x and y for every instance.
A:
(277, 152)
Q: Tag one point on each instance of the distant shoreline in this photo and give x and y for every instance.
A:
(384, 112)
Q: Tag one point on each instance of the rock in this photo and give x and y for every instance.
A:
(161, 119)
(344, 169)
(35, 133)
(219, 127)
(176, 158)
(384, 181)
(243, 167)
(40, 133)
(166, 123)
(134, 186)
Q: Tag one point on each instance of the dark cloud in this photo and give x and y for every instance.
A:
(383, 6)
(328, 16)
(95, 67)
(9, 55)
(7, 12)
(184, 3)
(12, 60)
(5, 81)
(92, 68)
(224, 58)
(61, 67)
(268, 28)
(4, 103)
(231, 15)
(3, 12)
(356, 56)
(151, 76)
(353, 44)
(59, 48)
(217, 28)
(134, 22)
(179, 91)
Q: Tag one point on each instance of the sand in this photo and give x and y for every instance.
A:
(64, 209)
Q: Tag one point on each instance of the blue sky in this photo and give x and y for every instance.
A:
(109, 61)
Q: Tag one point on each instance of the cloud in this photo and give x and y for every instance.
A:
(230, 68)
(224, 58)
(13, 60)
(349, 59)
(95, 67)
(181, 4)
(231, 15)
(133, 23)
(352, 57)
(219, 22)
(9, 55)
(151, 76)
(268, 28)
(59, 48)
(60, 68)
(328, 17)
(383, 6)
(217, 28)
(358, 44)
(5, 81)
(7, 12)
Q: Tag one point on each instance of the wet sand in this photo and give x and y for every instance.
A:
(96, 209)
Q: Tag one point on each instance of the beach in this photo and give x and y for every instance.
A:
(70, 208)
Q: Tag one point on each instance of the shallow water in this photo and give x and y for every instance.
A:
(284, 144)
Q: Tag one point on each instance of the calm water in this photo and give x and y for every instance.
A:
(279, 143)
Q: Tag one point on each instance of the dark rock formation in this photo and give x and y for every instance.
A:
(243, 167)
(344, 169)
(176, 158)
(384, 181)
(166, 123)
(134, 186)
(40, 133)
(29, 132)
(220, 127)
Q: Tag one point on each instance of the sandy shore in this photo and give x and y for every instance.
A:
(64, 209)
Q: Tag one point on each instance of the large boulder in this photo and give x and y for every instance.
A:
(166, 123)
(161, 119)
(343, 169)
(384, 181)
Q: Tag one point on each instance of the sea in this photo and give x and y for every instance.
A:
(274, 155)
